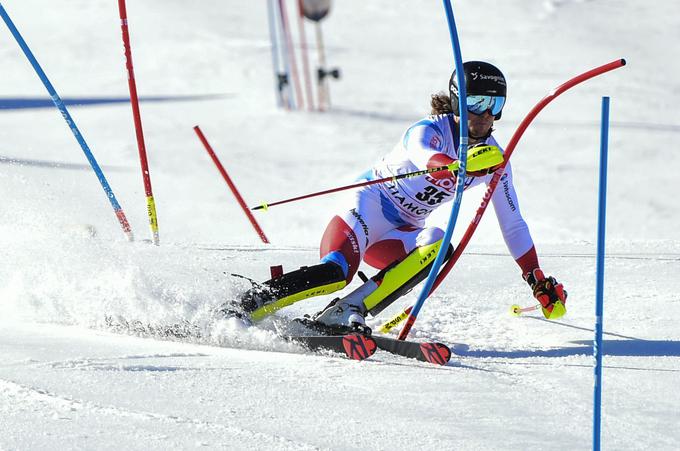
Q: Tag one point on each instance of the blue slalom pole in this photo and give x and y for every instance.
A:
(599, 285)
(460, 180)
(70, 122)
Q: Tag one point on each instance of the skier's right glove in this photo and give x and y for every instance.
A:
(548, 292)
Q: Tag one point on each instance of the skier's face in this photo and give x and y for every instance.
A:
(480, 124)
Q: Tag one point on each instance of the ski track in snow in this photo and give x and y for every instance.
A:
(63, 408)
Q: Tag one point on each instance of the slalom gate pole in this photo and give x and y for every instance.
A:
(460, 178)
(291, 52)
(231, 185)
(508, 153)
(271, 19)
(599, 286)
(120, 215)
(134, 101)
(305, 59)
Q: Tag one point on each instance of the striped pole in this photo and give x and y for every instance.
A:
(120, 215)
(134, 100)
(231, 185)
(599, 285)
(460, 178)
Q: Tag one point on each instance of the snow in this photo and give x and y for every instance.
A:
(68, 381)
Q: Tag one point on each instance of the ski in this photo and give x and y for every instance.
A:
(429, 351)
(354, 346)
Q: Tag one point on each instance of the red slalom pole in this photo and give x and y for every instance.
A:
(497, 175)
(231, 185)
(134, 100)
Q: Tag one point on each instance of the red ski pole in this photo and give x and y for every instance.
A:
(134, 100)
(231, 185)
(481, 158)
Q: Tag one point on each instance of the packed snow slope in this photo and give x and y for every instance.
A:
(69, 381)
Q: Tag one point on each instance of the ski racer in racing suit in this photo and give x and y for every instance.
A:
(386, 227)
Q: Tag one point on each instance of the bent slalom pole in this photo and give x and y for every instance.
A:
(482, 158)
(510, 149)
(134, 100)
(508, 153)
(70, 122)
(460, 182)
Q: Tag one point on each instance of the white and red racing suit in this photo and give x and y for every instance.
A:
(388, 219)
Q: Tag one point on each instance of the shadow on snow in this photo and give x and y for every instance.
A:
(620, 348)
(22, 103)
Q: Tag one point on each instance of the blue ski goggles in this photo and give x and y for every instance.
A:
(480, 104)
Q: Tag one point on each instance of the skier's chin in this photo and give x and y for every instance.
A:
(477, 131)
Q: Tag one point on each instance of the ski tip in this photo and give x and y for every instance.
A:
(436, 353)
(358, 346)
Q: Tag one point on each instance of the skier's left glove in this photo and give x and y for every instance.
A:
(482, 159)
(548, 292)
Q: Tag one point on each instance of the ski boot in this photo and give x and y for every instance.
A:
(347, 315)
(266, 298)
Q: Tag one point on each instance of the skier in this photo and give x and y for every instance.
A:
(386, 225)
